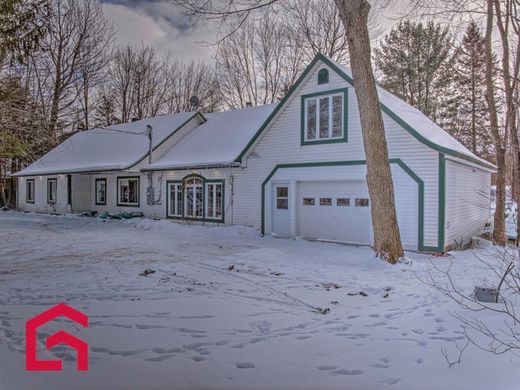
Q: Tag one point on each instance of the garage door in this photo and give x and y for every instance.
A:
(337, 211)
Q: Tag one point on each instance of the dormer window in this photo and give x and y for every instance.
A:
(324, 117)
(323, 76)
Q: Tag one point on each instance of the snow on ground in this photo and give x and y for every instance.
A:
(195, 324)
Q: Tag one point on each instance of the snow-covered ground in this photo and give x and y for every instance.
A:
(196, 324)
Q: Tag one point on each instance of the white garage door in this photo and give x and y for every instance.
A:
(337, 211)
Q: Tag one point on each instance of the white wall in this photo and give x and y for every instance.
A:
(40, 194)
(281, 144)
(467, 201)
(159, 210)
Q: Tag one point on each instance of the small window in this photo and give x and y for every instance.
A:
(52, 191)
(29, 191)
(214, 200)
(362, 202)
(282, 198)
(128, 191)
(343, 202)
(325, 201)
(323, 76)
(101, 192)
(308, 201)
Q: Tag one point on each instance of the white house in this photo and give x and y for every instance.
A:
(295, 168)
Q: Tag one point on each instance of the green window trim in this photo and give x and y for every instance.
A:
(49, 182)
(27, 192)
(100, 180)
(204, 217)
(323, 76)
(420, 199)
(386, 110)
(119, 204)
(343, 138)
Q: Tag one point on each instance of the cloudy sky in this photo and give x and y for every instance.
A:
(161, 24)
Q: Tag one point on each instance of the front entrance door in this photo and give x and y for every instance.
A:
(280, 205)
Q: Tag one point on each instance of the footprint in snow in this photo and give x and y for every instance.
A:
(439, 320)
(245, 365)
(391, 381)
(198, 358)
(326, 368)
(344, 371)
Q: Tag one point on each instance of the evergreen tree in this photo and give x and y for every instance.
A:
(467, 116)
(414, 63)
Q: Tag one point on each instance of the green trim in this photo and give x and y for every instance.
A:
(95, 192)
(420, 199)
(344, 137)
(49, 180)
(138, 191)
(385, 109)
(323, 76)
(442, 202)
(27, 191)
(204, 182)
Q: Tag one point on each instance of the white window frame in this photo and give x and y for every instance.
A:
(175, 201)
(318, 98)
(192, 187)
(211, 186)
(119, 193)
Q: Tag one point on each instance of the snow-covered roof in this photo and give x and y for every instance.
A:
(219, 141)
(425, 128)
(114, 148)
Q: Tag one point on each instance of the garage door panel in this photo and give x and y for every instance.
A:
(327, 210)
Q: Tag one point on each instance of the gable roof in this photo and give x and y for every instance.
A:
(412, 120)
(107, 149)
(217, 142)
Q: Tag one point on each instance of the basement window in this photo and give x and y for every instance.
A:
(101, 192)
(29, 191)
(52, 191)
(128, 191)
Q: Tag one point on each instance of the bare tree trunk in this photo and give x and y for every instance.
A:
(499, 228)
(387, 241)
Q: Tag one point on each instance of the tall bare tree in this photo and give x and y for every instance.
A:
(500, 140)
(354, 16)
(258, 63)
(72, 34)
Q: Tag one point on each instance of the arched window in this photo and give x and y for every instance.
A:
(323, 76)
(193, 197)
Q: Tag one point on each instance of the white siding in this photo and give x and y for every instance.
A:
(467, 201)
(158, 210)
(40, 204)
(281, 144)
